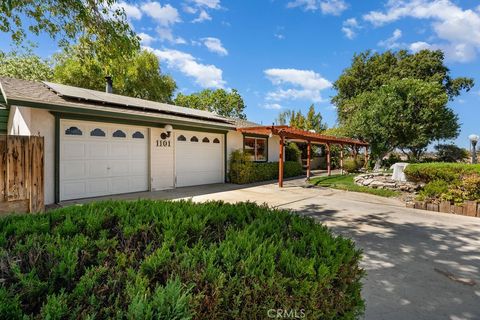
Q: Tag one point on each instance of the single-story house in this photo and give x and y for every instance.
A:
(99, 143)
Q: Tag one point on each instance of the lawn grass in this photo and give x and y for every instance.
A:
(345, 182)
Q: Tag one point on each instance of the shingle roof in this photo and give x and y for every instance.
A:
(78, 98)
(242, 123)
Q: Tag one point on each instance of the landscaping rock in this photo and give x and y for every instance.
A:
(382, 180)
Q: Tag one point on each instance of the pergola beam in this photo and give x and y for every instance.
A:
(286, 132)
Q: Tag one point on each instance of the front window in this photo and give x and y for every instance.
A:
(256, 148)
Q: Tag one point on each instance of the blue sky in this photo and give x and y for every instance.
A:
(284, 54)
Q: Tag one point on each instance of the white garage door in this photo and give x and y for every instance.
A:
(98, 159)
(198, 158)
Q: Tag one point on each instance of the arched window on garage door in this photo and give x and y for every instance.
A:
(97, 133)
(119, 134)
(181, 138)
(206, 140)
(194, 139)
(73, 131)
(216, 140)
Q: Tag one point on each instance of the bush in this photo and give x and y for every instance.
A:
(449, 172)
(352, 165)
(174, 260)
(243, 170)
(467, 189)
(434, 189)
(292, 152)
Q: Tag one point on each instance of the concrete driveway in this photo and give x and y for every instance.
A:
(420, 265)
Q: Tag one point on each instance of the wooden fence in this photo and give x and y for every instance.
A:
(21, 174)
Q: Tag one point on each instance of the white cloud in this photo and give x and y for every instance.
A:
(146, 39)
(459, 29)
(333, 7)
(166, 34)
(212, 4)
(350, 27)
(165, 15)
(132, 11)
(420, 45)
(203, 16)
(214, 45)
(205, 75)
(392, 42)
(279, 36)
(272, 106)
(304, 84)
(189, 9)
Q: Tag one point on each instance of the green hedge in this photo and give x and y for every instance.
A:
(242, 170)
(174, 260)
(449, 172)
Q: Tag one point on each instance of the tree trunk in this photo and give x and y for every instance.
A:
(378, 164)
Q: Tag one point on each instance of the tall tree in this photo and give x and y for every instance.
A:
(369, 71)
(296, 119)
(27, 66)
(138, 76)
(103, 23)
(408, 114)
(220, 101)
(398, 100)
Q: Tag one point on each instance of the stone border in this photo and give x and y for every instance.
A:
(382, 180)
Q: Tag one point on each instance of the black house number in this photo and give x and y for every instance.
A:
(163, 143)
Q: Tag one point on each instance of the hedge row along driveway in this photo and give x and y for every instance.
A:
(175, 260)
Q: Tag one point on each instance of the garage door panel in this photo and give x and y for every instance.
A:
(199, 162)
(119, 168)
(97, 187)
(73, 170)
(97, 150)
(96, 169)
(73, 149)
(102, 165)
(70, 189)
(119, 149)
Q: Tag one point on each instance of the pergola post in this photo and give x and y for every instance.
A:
(309, 147)
(280, 162)
(366, 157)
(341, 159)
(355, 151)
(329, 169)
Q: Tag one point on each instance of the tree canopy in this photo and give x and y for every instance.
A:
(398, 100)
(408, 114)
(219, 101)
(103, 23)
(25, 66)
(450, 153)
(312, 121)
(139, 76)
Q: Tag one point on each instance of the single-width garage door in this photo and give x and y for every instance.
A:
(198, 158)
(98, 159)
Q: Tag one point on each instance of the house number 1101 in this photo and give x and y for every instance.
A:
(163, 143)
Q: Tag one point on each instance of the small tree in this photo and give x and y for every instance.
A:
(220, 101)
(450, 153)
(27, 66)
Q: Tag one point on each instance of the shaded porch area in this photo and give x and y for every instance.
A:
(287, 133)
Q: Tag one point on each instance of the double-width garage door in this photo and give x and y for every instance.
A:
(99, 159)
(199, 158)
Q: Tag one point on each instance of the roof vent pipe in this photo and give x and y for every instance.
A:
(108, 84)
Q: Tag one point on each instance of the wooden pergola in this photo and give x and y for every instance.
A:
(286, 132)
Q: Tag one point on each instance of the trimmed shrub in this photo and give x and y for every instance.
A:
(449, 172)
(433, 189)
(174, 260)
(243, 170)
(352, 165)
(292, 152)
